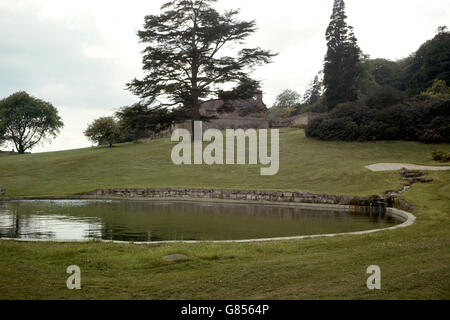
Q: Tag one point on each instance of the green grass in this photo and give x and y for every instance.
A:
(414, 261)
(305, 165)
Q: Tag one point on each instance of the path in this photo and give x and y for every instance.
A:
(398, 166)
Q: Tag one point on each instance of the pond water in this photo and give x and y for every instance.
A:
(145, 221)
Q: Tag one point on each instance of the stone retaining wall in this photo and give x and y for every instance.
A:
(262, 196)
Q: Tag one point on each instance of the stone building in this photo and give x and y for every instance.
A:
(233, 114)
(244, 114)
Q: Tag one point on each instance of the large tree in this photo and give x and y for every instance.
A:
(28, 121)
(188, 56)
(342, 61)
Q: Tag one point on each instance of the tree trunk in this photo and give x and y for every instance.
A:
(195, 113)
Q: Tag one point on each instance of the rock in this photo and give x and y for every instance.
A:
(175, 257)
(421, 180)
(411, 173)
(425, 180)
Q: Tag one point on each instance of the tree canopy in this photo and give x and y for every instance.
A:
(139, 121)
(288, 98)
(27, 121)
(417, 72)
(104, 131)
(430, 62)
(185, 60)
(314, 90)
(285, 104)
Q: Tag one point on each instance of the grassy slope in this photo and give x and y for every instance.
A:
(414, 261)
(305, 165)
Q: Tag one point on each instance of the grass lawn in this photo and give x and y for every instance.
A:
(415, 261)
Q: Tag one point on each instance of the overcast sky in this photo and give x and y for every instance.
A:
(78, 54)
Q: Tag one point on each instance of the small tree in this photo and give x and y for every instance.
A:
(287, 112)
(314, 91)
(104, 131)
(288, 98)
(27, 121)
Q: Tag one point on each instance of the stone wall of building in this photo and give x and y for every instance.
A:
(300, 120)
(228, 123)
(232, 114)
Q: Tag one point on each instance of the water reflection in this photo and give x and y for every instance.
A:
(161, 221)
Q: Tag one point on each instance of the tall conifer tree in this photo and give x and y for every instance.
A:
(342, 62)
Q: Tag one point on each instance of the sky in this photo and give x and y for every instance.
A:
(79, 54)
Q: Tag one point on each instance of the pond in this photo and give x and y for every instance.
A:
(146, 221)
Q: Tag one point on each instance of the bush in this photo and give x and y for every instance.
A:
(385, 97)
(423, 118)
(441, 156)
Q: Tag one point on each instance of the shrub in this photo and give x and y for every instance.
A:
(441, 156)
(423, 118)
(438, 87)
(385, 96)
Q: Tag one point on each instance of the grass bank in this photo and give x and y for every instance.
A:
(305, 165)
(414, 261)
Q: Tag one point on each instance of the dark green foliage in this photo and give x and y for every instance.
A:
(414, 74)
(441, 156)
(342, 61)
(383, 111)
(104, 131)
(423, 118)
(388, 73)
(245, 89)
(27, 121)
(430, 62)
(139, 121)
(439, 87)
(314, 91)
(183, 60)
(2, 133)
(384, 97)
